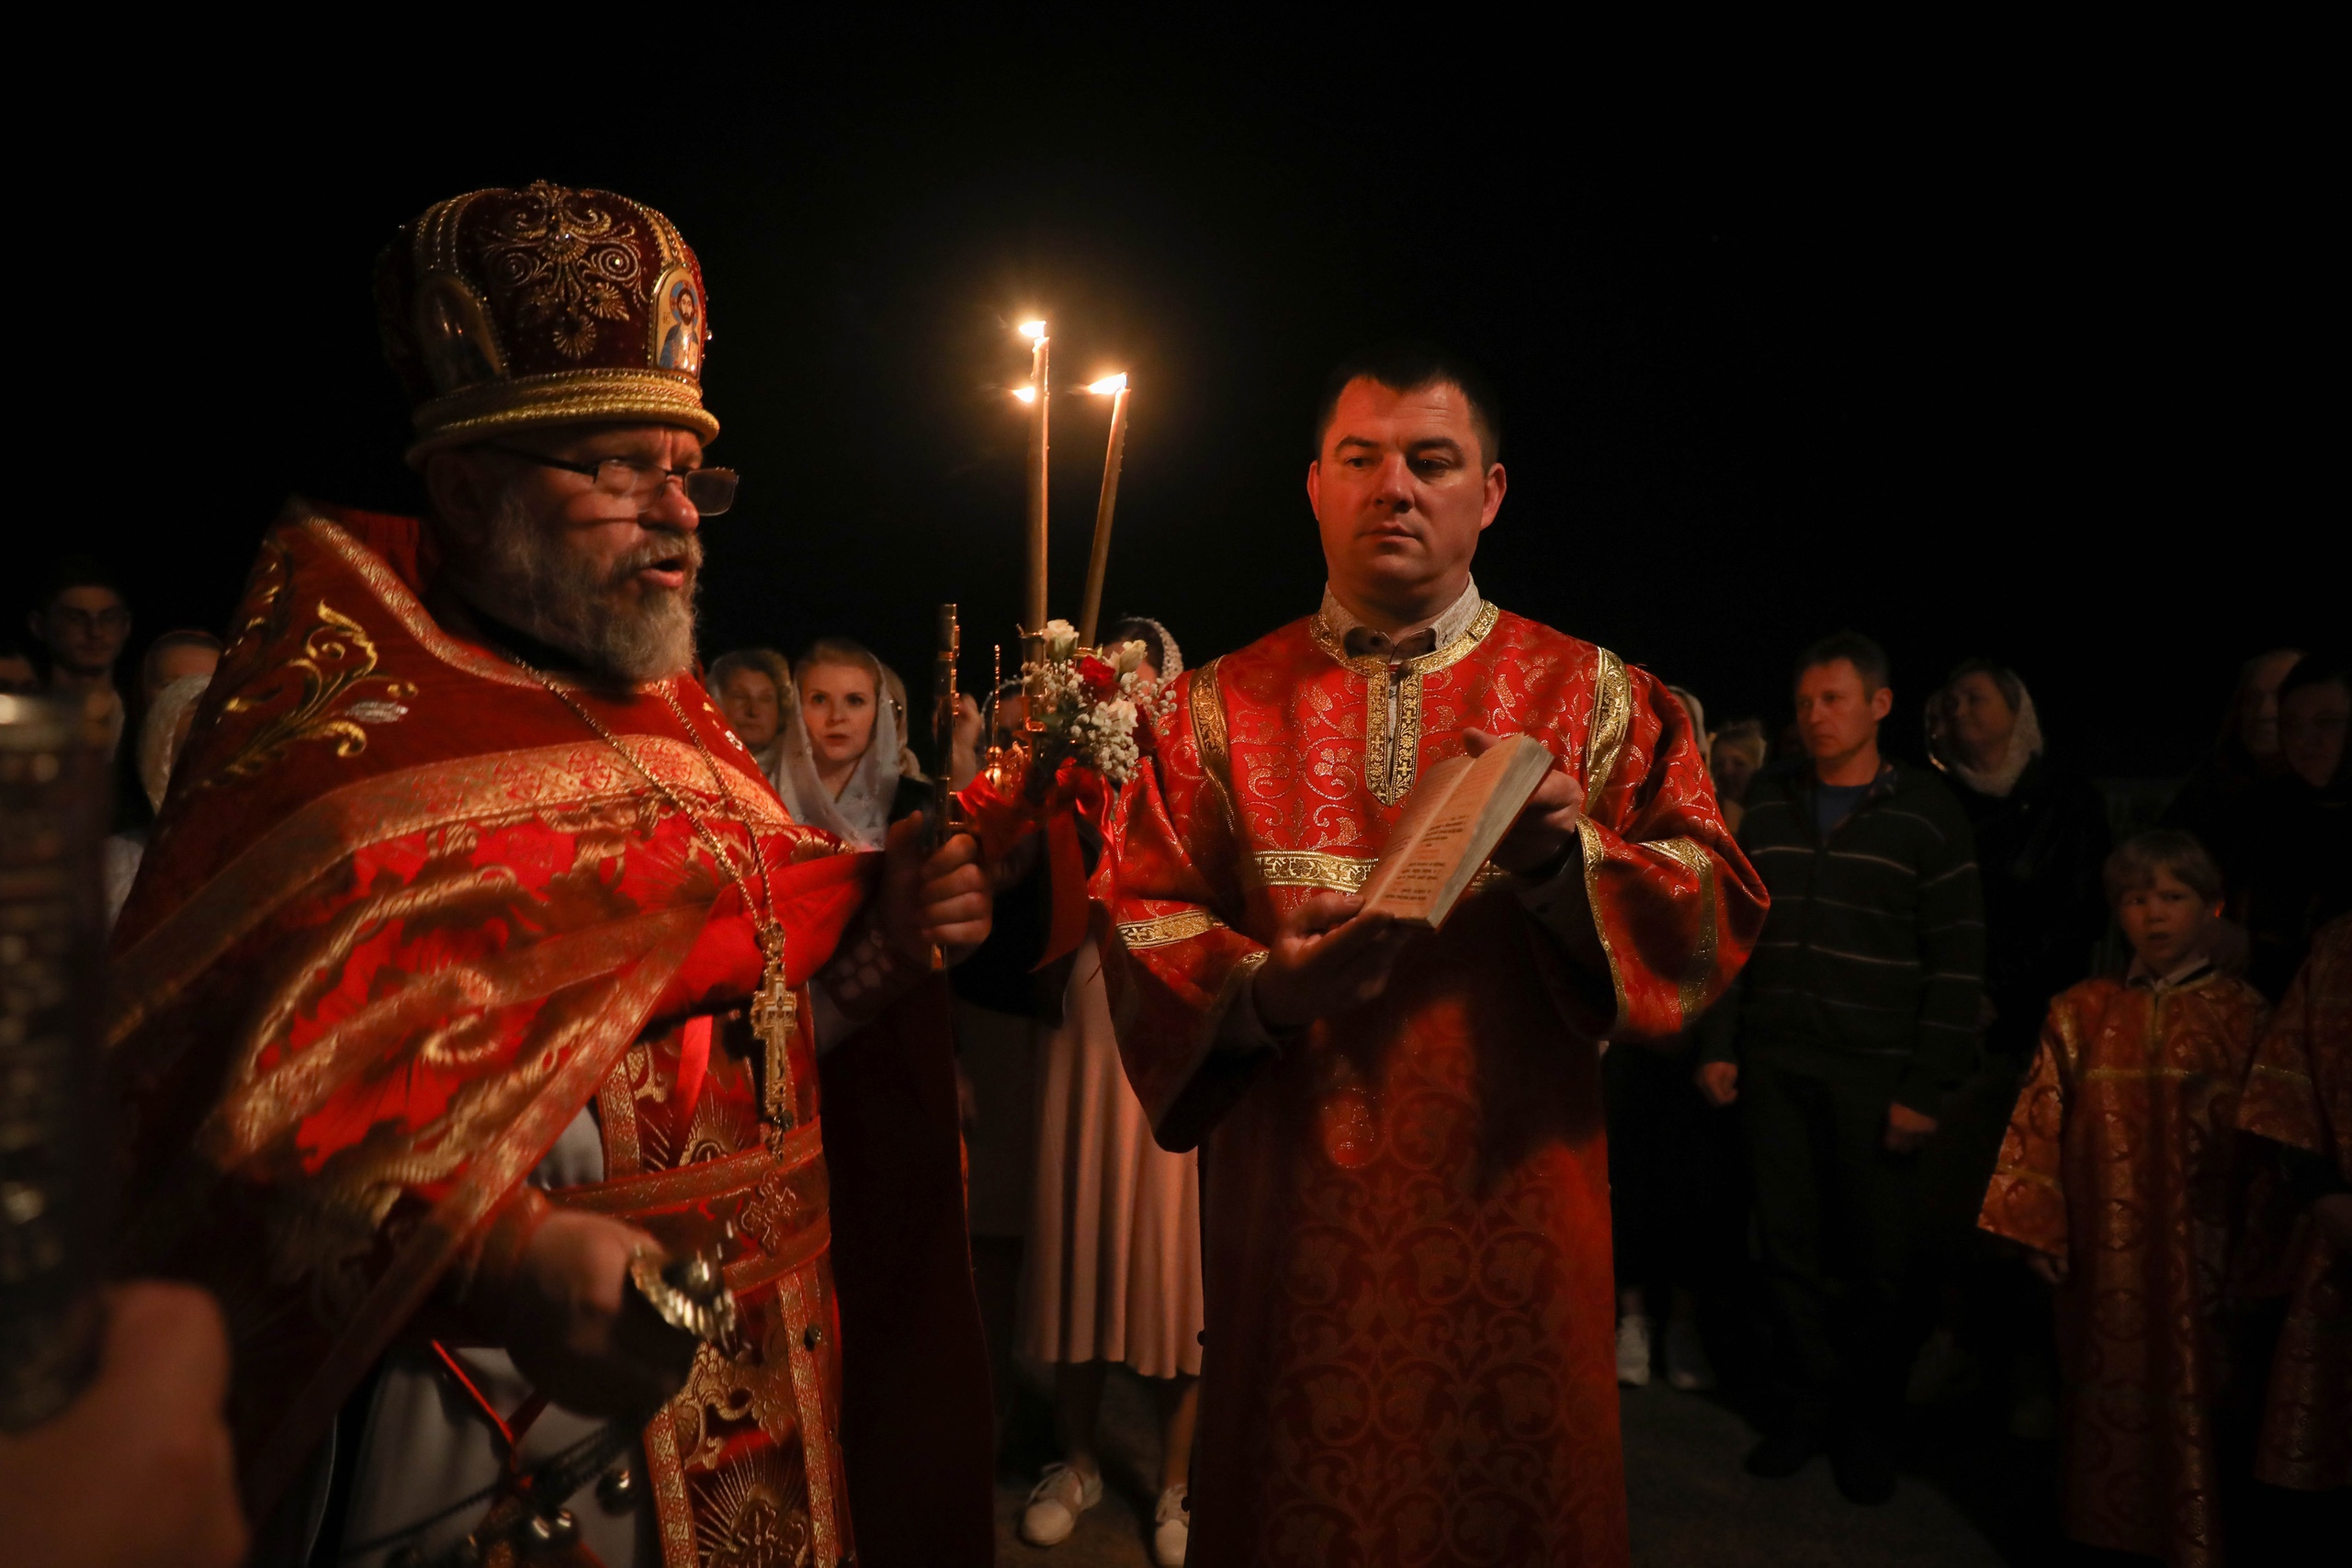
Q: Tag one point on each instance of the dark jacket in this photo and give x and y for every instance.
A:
(2040, 853)
(1873, 956)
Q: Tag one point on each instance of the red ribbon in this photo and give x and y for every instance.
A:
(1002, 822)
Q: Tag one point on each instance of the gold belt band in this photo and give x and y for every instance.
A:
(693, 1184)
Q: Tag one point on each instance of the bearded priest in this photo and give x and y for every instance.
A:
(474, 971)
(1410, 1316)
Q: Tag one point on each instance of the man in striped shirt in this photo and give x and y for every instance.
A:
(1855, 1018)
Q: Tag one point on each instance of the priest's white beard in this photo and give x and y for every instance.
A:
(521, 574)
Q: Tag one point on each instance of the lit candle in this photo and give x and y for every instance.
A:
(1040, 396)
(1099, 561)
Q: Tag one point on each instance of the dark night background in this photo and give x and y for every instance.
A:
(1985, 365)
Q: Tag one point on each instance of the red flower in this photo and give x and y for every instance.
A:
(1099, 679)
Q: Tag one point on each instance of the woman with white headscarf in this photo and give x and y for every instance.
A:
(844, 762)
(917, 1432)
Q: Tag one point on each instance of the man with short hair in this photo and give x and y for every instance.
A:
(1856, 1018)
(1410, 1320)
(83, 622)
(432, 998)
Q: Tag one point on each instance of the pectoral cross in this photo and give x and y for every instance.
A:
(775, 1012)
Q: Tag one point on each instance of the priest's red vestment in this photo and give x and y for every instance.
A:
(403, 916)
(2118, 1159)
(1410, 1303)
(2300, 1094)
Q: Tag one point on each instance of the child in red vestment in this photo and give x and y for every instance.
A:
(2115, 1174)
(2300, 1095)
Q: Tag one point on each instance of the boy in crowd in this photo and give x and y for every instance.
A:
(2115, 1174)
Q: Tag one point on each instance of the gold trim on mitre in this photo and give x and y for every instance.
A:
(560, 397)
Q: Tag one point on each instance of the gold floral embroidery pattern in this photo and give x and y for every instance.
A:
(1698, 981)
(803, 1306)
(1392, 762)
(567, 261)
(1208, 737)
(1308, 868)
(338, 656)
(1612, 711)
(491, 787)
(1166, 930)
(1595, 851)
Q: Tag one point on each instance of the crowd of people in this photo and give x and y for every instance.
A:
(2003, 1111)
(543, 1041)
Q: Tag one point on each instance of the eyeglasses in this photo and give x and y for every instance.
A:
(709, 490)
(111, 619)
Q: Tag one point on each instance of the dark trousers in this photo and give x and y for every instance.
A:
(1838, 1215)
(1678, 1214)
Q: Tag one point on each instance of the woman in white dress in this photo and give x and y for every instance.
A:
(1113, 1265)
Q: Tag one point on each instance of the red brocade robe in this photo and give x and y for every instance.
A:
(403, 916)
(2300, 1094)
(2118, 1159)
(1409, 1304)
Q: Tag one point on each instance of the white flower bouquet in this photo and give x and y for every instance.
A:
(1096, 708)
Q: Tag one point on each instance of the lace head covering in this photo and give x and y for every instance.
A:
(860, 815)
(1162, 643)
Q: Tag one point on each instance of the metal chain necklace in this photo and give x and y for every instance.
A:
(775, 1008)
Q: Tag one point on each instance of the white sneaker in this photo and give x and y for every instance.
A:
(1687, 1366)
(1054, 1502)
(1634, 1350)
(1172, 1529)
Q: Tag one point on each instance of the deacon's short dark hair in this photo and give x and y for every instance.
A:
(1868, 658)
(1406, 365)
(2137, 860)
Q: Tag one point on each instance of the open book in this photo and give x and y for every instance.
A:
(1456, 816)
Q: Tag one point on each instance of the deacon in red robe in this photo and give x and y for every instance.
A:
(1408, 1353)
(2117, 1175)
(2300, 1095)
(474, 962)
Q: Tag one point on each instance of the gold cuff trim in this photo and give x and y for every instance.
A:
(1165, 930)
(1698, 979)
(560, 397)
(1588, 837)
(1308, 868)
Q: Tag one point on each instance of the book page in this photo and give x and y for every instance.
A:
(1430, 795)
(1457, 816)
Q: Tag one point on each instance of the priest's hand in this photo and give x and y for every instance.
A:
(1328, 957)
(2047, 1268)
(1547, 823)
(939, 898)
(572, 1331)
(139, 1470)
(1719, 1081)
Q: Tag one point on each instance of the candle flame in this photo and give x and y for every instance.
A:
(1027, 394)
(1111, 384)
(1032, 329)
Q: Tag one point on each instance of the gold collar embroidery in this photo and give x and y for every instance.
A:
(1392, 762)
